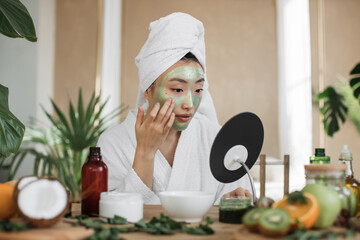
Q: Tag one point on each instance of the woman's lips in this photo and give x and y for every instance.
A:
(183, 118)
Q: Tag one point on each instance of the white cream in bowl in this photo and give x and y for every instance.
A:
(187, 206)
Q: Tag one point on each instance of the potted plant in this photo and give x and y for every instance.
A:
(341, 102)
(60, 150)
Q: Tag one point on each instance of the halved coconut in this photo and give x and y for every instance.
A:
(42, 202)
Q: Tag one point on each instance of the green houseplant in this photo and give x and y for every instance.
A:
(341, 102)
(62, 148)
(15, 22)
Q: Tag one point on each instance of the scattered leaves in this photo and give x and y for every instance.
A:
(325, 234)
(163, 225)
(117, 220)
(7, 226)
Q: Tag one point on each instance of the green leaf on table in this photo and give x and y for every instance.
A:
(141, 224)
(7, 226)
(11, 129)
(117, 220)
(199, 230)
(106, 234)
(15, 20)
(333, 109)
(94, 224)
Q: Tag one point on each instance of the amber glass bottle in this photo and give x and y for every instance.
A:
(351, 182)
(94, 180)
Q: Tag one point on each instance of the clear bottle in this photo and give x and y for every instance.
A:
(94, 181)
(351, 182)
(319, 157)
(333, 176)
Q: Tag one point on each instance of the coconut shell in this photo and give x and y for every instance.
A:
(43, 223)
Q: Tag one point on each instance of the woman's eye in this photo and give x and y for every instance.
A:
(178, 90)
(199, 90)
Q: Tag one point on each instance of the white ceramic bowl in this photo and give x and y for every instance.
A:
(187, 206)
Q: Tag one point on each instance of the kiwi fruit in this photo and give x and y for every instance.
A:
(251, 218)
(274, 222)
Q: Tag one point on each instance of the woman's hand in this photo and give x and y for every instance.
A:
(239, 192)
(151, 131)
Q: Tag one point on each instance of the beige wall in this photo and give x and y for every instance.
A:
(241, 52)
(75, 50)
(241, 55)
(341, 52)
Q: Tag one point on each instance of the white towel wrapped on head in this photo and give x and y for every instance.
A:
(170, 39)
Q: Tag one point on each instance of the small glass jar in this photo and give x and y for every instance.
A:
(333, 176)
(232, 209)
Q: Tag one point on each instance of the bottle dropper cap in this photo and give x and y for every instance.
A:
(345, 154)
(94, 151)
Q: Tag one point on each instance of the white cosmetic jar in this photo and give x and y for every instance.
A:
(126, 205)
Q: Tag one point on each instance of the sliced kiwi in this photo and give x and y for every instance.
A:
(274, 222)
(251, 218)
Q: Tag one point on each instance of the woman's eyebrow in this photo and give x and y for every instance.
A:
(178, 80)
(200, 80)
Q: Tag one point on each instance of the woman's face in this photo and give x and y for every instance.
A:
(183, 82)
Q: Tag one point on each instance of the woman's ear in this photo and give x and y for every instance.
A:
(147, 94)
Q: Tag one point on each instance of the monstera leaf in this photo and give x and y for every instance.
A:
(11, 129)
(333, 109)
(355, 81)
(15, 20)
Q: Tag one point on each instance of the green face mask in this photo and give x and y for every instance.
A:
(188, 95)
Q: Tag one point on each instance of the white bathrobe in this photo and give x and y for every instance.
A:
(190, 170)
(170, 38)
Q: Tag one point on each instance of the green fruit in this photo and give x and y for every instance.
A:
(329, 204)
(353, 202)
(251, 218)
(274, 222)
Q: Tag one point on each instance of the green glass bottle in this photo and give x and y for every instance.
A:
(319, 157)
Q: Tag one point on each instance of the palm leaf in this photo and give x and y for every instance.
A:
(332, 110)
(355, 80)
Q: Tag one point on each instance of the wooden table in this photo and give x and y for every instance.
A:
(64, 230)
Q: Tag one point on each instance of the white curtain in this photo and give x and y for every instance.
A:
(294, 69)
(111, 61)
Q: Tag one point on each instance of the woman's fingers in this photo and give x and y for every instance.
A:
(153, 113)
(169, 123)
(139, 117)
(161, 116)
(239, 192)
(169, 110)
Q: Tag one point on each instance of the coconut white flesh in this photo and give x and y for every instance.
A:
(26, 180)
(42, 199)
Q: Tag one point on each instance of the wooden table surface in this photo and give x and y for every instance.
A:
(64, 230)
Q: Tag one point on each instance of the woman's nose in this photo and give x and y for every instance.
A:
(188, 101)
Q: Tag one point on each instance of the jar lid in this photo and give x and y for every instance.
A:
(325, 167)
(235, 202)
(120, 197)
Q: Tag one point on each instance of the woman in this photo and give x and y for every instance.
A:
(165, 144)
